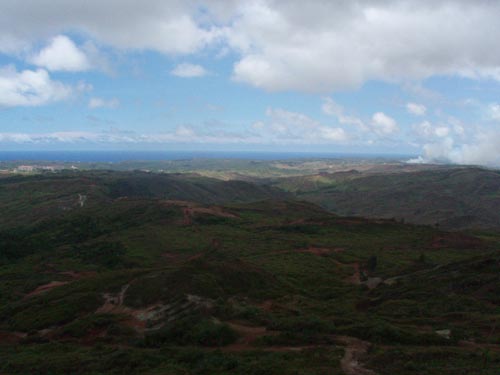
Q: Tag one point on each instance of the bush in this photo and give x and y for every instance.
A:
(108, 254)
(192, 331)
(383, 332)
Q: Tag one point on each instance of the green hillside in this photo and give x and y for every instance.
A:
(24, 199)
(453, 198)
(170, 274)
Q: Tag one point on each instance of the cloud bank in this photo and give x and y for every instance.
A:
(29, 88)
(281, 45)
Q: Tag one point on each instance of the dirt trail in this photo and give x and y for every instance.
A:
(45, 288)
(113, 303)
(187, 216)
(481, 346)
(355, 279)
(54, 284)
(78, 274)
(250, 334)
(355, 350)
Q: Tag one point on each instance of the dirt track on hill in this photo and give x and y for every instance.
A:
(355, 350)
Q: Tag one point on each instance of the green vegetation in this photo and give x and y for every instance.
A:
(182, 274)
(451, 198)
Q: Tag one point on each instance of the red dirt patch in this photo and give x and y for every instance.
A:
(189, 209)
(355, 279)
(267, 305)
(320, 251)
(92, 335)
(354, 351)
(178, 258)
(78, 275)
(173, 257)
(248, 336)
(45, 288)
(11, 337)
(456, 241)
(75, 275)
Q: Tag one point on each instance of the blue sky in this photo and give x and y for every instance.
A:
(407, 77)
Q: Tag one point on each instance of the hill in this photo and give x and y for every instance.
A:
(136, 282)
(450, 197)
(24, 199)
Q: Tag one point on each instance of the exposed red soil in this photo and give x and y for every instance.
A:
(78, 275)
(173, 202)
(355, 278)
(173, 257)
(188, 216)
(189, 209)
(250, 334)
(320, 251)
(45, 288)
(267, 305)
(54, 284)
(215, 211)
(351, 221)
(297, 222)
(114, 303)
(177, 258)
(135, 323)
(456, 241)
(133, 318)
(11, 337)
(475, 346)
(355, 350)
(92, 335)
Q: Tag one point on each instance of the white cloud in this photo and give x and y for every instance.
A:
(384, 125)
(181, 134)
(83, 86)
(494, 111)
(61, 54)
(295, 127)
(282, 45)
(103, 103)
(333, 134)
(29, 88)
(335, 45)
(442, 131)
(484, 149)
(331, 108)
(167, 26)
(416, 109)
(187, 70)
(428, 131)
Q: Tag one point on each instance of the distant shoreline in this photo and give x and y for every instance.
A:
(121, 156)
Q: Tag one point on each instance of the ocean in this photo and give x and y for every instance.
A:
(120, 156)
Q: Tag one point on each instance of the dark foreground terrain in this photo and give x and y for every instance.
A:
(140, 273)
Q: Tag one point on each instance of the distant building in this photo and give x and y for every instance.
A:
(34, 168)
(25, 168)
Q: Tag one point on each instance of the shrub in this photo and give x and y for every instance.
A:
(192, 331)
(108, 254)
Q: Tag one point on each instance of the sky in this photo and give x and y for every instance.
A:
(411, 77)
